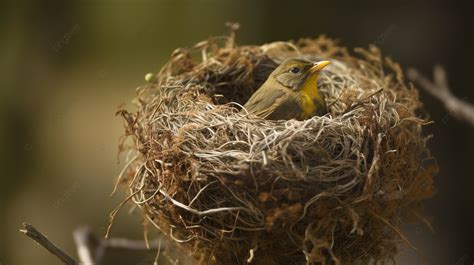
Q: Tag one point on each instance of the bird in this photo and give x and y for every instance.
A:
(290, 92)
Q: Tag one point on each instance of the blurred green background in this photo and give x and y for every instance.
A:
(66, 65)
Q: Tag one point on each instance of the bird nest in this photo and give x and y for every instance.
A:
(232, 188)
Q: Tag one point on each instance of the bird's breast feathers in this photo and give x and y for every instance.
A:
(309, 94)
(307, 106)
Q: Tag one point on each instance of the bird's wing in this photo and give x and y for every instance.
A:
(276, 105)
(286, 109)
(262, 104)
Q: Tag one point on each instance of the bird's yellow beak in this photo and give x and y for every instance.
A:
(318, 66)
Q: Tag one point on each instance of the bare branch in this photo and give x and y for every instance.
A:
(41, 239)
(90, 248)
(131, 244)
(85, 243)
(439, 89)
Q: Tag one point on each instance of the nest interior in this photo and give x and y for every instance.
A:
(230, 188)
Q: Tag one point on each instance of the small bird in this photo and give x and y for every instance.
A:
(290, 92)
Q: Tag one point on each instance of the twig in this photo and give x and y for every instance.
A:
(131, 244)
(86, 242)
(88, 245)
(41, 239)
(90, 248)
(439, 89)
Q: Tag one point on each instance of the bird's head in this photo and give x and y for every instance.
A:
(293, 73)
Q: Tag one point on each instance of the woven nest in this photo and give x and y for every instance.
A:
(231, 188)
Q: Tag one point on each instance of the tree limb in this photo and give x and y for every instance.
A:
(439, 89)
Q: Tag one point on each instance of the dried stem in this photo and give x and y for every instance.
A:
(439, 89)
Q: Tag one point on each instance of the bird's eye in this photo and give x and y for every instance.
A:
(294, 70)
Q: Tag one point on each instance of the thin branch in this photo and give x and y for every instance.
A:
(439, 89)
(130, 244)
(90, 248)
(41, 239)
(85, 243)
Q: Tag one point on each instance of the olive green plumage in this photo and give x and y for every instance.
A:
(290, 92)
